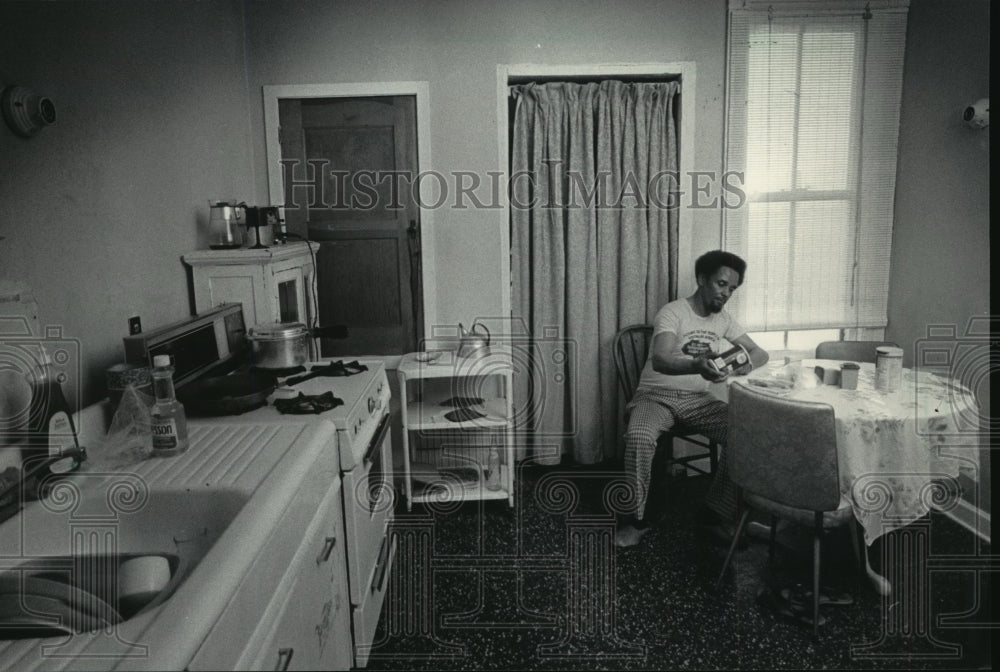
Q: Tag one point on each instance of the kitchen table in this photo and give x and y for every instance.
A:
(899, 453)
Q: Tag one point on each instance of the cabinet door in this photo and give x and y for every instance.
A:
(313, 630)
(232, 284)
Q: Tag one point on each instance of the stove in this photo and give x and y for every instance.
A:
(356, 392)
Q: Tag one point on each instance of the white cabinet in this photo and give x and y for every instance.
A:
(292, 611)
(456, 413)
(306, 627)
(275, 284)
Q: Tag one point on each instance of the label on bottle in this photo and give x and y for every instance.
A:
(60, 433)
(164, 433)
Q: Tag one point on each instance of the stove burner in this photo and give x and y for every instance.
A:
(306, 404)
(332, 370)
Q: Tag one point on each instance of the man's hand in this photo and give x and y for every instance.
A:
(705, 369)
(743, 370)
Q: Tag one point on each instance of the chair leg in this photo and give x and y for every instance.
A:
(732, 547)
(817, 536)
(713, 456)
(771, 539)
(856, 543)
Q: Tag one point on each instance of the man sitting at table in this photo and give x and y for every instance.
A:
(673, 386)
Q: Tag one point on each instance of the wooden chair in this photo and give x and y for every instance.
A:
(631, 348)
(850, 351)
(783, 457)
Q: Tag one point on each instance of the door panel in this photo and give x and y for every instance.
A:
(374, 309)
(360, 209)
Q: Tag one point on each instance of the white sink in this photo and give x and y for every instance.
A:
(159, 521)
(208, 511)
(62, 570)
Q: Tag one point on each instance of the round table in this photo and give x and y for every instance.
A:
(899, 453)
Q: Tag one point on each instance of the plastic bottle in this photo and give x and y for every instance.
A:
(50, 421)
(168, 420)
(493, 477)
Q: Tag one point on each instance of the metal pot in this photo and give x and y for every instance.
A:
(281, 345)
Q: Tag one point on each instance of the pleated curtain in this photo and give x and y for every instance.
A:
(593, 249)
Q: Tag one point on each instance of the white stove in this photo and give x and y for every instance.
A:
(365, 449)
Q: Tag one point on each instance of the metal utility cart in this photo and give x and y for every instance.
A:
(457, 412)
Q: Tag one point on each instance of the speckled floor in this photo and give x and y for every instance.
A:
(541, 586)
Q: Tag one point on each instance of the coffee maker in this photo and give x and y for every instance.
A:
(225, 222)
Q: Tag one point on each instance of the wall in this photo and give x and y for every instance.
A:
(98, 208)
(456, 47)
(159, 110)
(940, 272)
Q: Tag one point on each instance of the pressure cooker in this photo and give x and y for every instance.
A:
(280, 345)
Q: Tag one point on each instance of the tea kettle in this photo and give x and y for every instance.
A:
(473, 345)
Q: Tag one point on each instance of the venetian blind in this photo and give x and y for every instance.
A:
(812, 123)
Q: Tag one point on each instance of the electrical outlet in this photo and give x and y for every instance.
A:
(134, 325)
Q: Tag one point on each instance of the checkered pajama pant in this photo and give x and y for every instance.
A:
(653, 411)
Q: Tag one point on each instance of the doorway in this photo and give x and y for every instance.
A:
(343, 164)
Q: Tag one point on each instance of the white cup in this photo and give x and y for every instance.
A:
(141, 579)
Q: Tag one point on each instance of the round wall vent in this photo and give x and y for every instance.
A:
(25, 111)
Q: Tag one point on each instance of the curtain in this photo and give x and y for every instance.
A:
(593, 249)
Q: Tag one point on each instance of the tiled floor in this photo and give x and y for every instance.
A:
(541, 586)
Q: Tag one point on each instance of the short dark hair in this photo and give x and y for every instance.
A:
(710, 262)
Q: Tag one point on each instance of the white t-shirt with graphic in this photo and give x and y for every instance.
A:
(695, 336)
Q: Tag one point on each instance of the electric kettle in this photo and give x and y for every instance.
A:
(473, 345)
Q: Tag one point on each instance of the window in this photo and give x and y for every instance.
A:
(812, 122)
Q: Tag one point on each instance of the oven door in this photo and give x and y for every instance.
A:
(368, 505)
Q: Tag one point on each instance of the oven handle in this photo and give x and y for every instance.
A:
(382, 565)
(376, 443)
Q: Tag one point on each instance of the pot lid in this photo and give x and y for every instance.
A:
(278, 330)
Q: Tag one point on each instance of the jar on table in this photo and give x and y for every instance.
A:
(888, 368)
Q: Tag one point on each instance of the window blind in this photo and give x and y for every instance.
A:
(812, 123)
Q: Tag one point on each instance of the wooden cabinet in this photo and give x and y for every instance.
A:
(275, 284)
(457, 413)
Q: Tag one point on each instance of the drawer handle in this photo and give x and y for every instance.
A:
(328, 546)
(284, 658)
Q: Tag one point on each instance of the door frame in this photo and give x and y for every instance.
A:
(421, 91)
(685, 70)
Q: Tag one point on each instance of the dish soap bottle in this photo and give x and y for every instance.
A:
(50, 423)
(167, 419)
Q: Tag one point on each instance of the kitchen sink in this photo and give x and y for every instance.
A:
(81, 562)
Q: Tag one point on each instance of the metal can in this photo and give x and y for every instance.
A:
(888, 368)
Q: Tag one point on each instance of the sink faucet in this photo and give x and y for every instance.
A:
(13, 480)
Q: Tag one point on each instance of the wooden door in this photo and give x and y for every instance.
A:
(350, 166)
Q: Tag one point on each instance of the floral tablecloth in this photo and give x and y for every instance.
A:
(899, 452)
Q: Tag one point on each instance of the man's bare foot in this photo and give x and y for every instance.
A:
(629, 536)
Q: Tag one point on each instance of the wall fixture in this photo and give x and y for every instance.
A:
(25, 111)
(977, 115)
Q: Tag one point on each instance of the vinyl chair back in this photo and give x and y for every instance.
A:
(631, 349)
(783, 450)
(850, 351)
